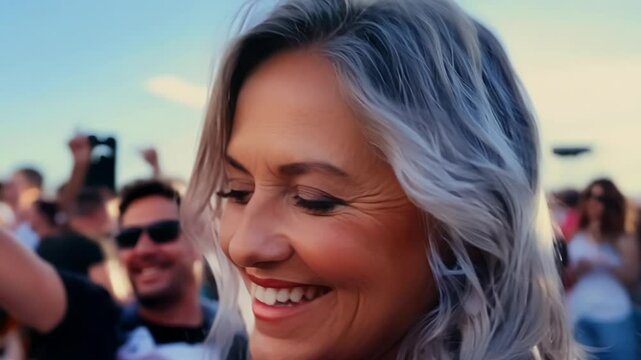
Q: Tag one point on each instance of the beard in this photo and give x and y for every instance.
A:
(163, 299)
(168, 294)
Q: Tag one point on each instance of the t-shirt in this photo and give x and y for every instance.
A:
(70, 252)
(597, 295)
(95, 327)
(89, 329)
(147, 340)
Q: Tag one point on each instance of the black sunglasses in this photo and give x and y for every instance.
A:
(160, 232)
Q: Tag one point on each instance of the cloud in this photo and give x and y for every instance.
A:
(178, 90)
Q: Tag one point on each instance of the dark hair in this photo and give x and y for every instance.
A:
(87, 202)
(144, 188)
(33, 176)
(569, 197)
(1, 191)
(50, 211)
(613, 218)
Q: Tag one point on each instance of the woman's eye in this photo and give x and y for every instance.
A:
(236, 196)
(319, 205)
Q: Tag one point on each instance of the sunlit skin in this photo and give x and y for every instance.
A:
(309, 201)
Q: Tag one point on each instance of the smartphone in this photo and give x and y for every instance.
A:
(102, 170)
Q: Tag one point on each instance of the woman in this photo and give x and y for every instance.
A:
(603, 263)
(373, 170)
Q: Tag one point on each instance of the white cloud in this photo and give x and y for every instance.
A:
(178, 90)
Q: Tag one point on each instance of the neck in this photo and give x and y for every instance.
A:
(185, 311)
(595, 230)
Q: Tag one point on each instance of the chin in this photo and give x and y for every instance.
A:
(263, 347)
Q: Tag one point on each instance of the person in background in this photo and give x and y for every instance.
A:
(570, 200)
(81, 321)
(77, 249)
(7, 217)
(46, 219)
(604, 264)
(22, 189)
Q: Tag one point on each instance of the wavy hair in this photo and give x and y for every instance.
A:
(612, 223)
(440, 102)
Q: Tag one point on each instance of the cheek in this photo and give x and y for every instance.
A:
(366, 255)
(124, 256)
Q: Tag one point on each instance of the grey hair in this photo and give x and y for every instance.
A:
(441, 103)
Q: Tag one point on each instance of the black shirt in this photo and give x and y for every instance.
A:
(89, 329)
(94, 326)
(70, 252)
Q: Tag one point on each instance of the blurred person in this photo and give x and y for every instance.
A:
(46, 218)
(368, 180)
(7, 218)
(22, 189)
(604, 263)
(77, 248)
(80, 149)
(81, 321)
(570, 200)
(89, 215)
(161, 265)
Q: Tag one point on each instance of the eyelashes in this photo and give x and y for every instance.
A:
(237, 196)
(314, 202)
(322, 206)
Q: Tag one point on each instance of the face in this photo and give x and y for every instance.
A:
(595, 205)
(159, 273)
(326, 240)
(39, 222)
(13, 187)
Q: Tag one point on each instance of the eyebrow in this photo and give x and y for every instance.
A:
(296, 169)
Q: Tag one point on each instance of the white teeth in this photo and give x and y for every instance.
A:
(271, 296)
(259, 292)
(296, 294)
(149, 271)
(282, 295)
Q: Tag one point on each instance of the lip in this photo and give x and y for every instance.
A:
(273, 283)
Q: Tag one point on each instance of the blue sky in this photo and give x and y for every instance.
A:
(140, 70)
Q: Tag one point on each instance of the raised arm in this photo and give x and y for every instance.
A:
(81, 151)
(30, 289)
(150, 155)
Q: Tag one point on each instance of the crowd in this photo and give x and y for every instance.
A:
(132, 286)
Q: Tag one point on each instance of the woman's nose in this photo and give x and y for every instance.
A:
(259, 238)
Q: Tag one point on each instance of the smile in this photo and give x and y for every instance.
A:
(285, 296)
(277, 299)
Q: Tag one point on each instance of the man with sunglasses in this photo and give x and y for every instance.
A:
(160, 263)
(79, 320)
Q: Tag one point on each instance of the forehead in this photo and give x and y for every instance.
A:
(597, 190)
(148, 210)
(293, 107)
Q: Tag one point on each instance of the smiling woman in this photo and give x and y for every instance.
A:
(369, 171)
